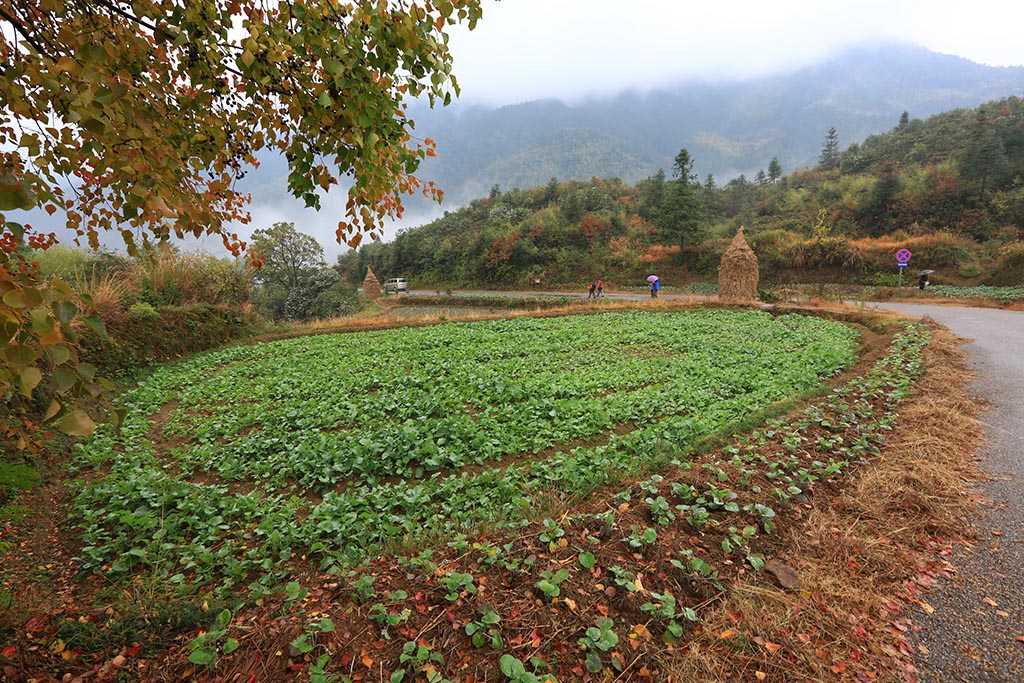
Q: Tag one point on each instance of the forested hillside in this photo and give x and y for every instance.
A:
(729, 127)
(950, 187)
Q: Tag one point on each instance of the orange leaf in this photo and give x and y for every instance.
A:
(367, 661)
(772, 647)
(1020, 639)
(726, 634)
(989, 601)
(9, 651)
(760, 675)
(838, 668)
(804, 637)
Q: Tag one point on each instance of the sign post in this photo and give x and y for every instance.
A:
(902, 259)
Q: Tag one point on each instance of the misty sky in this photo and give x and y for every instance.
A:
(526, 49)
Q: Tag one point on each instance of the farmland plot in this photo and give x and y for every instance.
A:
(339, 447)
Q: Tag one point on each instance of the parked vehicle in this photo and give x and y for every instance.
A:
(396, 284)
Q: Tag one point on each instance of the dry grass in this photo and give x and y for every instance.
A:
(738, 273)
(108, 292)
(862, 556)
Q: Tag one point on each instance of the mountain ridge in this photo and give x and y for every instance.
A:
(861, 91)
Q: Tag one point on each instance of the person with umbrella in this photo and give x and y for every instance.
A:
(922, 281)
(655, 285)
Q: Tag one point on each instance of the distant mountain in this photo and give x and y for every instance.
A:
(729, 128)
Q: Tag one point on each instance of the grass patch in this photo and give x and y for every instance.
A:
(18, 477)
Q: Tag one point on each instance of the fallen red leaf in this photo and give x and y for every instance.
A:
(772, 647)
(535, 638)
(9, 651)
(1020, 639)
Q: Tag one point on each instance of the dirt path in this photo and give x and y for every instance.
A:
(976, 632)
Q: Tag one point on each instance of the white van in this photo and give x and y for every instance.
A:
(396, 284)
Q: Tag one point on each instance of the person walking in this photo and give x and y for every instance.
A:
(600, 288)
(922, 281)
(590, 290)
(655, 286)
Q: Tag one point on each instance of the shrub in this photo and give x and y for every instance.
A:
(143, 311)
(1009, 269)
(888, 279)
(970, 271)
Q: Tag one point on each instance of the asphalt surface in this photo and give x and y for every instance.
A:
(972, 634)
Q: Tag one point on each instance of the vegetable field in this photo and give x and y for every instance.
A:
(234, 465)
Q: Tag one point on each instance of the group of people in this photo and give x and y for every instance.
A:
(596, 289)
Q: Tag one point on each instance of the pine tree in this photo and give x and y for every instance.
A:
(984, 161)
(829, 158)
(682, 210)
(774, 170)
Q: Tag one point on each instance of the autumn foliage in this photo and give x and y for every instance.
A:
(139, 118)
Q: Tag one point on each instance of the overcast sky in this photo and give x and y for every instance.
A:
(525, 49)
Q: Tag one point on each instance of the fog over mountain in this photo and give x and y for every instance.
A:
(729, 127)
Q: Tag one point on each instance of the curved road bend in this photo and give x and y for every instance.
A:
(972, 635)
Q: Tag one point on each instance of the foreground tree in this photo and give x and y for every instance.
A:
(139, 117)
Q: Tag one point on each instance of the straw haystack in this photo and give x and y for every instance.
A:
(371, 285)
(738, 275)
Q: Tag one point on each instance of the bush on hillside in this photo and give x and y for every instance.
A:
(1009, 268)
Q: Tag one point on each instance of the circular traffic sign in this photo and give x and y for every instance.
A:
(902, 256)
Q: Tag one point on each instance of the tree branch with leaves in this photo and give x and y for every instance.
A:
(139, 117)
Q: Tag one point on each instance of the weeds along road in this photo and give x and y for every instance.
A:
(979, 616)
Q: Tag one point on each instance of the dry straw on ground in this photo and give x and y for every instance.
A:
(738, 274)
(371, 285)
(863, 556)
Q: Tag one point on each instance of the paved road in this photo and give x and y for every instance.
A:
(967, 638)
(629, 295)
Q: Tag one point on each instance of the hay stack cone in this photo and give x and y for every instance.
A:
(738, 275)
(371, 285)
